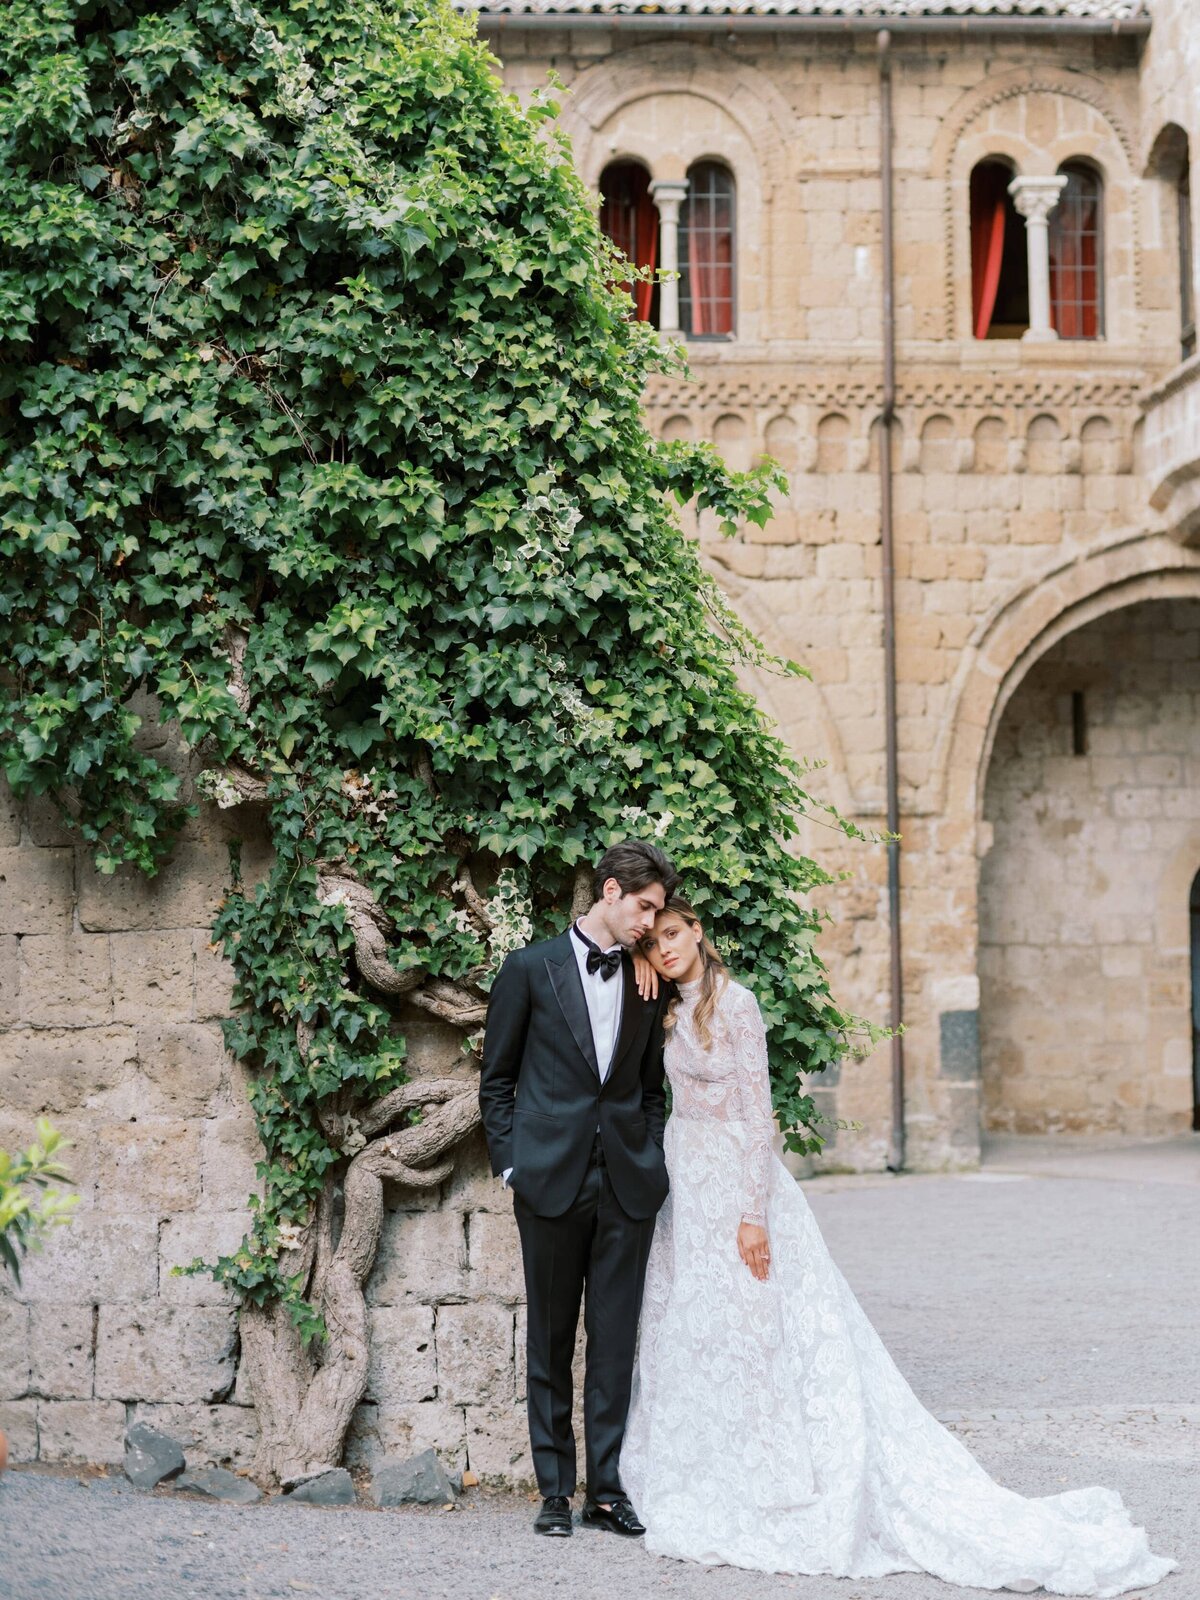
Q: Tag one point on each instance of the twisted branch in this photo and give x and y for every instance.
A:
(369, 924)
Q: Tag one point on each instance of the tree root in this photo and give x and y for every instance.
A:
(305, 1400)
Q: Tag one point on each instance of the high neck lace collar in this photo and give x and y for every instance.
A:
(689, 991)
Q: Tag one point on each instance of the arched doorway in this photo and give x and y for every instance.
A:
(1087, 1015)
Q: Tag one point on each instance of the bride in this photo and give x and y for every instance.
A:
(769, 1427)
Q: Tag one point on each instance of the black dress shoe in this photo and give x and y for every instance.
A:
(620, 1518)
(555, 1517)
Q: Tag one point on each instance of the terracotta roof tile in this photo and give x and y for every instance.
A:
(1066, 10)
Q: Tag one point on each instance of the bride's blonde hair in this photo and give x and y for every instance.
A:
(713, 977)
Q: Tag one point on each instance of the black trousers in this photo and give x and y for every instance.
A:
(594, 1248)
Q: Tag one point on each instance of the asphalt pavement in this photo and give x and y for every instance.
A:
(1047, 1308)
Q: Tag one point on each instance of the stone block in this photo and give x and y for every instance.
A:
(184, 1061)
(65, 979)
(186, 893)
(18, 1420)
(61, 1358)
(379, 1433)
(47, 825)
(230, 1149)
(214, 979)
(403, 1368)
(474, 1354)
(218, 1483)
(96, 1260)
(81, 1430)
(10, 817)
(54, 1070)
(152, 976)
(498, 1445)
(157, 1352)
(211, 1435)
(421, 1480)
(198, 1235)
(14, 1349)
(472, 1187)
(494, 1252)
(37, 890)
(332, 1488)
(151, 1457)
(10, 979)
(422, 1256)
(147, 1166)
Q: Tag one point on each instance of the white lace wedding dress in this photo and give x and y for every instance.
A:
(769, 1428)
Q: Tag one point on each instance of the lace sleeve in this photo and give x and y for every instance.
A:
(754, 1093)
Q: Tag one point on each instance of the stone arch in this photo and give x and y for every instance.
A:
(731, 435)
(1019, 632)
(677, 426)
(939, 445)
(670, 112)
(781, 440)
(748, 96)
(1043, 444)
(990, 445)
(1088, 870)
(1039, 121)
(1099, 446)
(833, 442)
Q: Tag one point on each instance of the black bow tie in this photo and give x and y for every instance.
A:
(605, 962)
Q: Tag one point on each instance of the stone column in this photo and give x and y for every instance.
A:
(669, 195)
(1035, 199)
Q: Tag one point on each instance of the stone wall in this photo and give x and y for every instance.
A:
(110, 1004)
(1084, 897)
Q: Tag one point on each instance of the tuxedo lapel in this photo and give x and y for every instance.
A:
(631, 1007)
(563, 972)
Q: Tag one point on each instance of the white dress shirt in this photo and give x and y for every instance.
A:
(604, 997)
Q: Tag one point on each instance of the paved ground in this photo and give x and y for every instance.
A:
(1048, 1308)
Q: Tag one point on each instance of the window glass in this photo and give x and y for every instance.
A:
(706, 252)
(1075, 250)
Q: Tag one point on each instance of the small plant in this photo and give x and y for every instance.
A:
(26, 1218)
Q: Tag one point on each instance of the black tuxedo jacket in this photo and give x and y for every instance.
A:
(540, 1092)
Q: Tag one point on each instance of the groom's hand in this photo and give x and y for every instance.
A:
(645, 976)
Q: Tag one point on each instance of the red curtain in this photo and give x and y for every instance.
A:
(629, 217)
(989, 197)
(646, 248)
(1074, 274)
(708, 225)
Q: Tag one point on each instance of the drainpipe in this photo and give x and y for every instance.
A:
(887, 423)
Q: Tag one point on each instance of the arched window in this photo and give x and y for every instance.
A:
(706, 252)
(999, 262)
(1187, 302)
(629, 217)
(1076, 309)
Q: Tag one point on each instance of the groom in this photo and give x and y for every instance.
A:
(571, 1093)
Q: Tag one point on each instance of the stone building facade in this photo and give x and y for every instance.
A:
(1047, 607)
(1040, 484)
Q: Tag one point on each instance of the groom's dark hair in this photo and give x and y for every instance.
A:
(634, 865)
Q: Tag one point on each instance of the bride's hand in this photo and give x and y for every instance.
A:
(755, 1249)
(647, 978)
